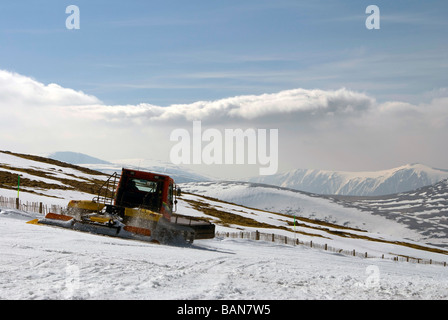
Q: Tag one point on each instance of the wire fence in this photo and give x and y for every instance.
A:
(276, 238)
(28, 206)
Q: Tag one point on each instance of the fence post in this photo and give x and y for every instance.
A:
(17, 203)
(311, 243)
(325, 247)
(257, 235)
(272, 237)
(354, 252)
(40, 207)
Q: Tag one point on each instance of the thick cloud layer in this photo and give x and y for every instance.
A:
(297, 104)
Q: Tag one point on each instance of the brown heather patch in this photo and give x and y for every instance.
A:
(8, 180)
(55, 162)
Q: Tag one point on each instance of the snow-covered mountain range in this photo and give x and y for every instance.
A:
(375, 183)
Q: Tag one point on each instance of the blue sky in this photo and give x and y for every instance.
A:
(343, 97)
(165, 52)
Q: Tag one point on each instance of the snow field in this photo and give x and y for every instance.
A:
(41, 262)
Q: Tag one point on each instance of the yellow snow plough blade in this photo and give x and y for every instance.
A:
(34, 221)
(100, 219)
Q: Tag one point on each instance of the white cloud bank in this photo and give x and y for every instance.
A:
(19, 90)
(333, 129)
(297, 103)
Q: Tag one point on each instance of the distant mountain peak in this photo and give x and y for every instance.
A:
(75, 158)
(363, 183)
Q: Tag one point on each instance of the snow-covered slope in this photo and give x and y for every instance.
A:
(41, 262)
(424, 210)
(178, 172)
(404, 178)
(46, 180)
(418, 215)
(293, 202)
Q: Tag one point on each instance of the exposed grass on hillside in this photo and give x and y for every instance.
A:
(54, 162)
(9, 180)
